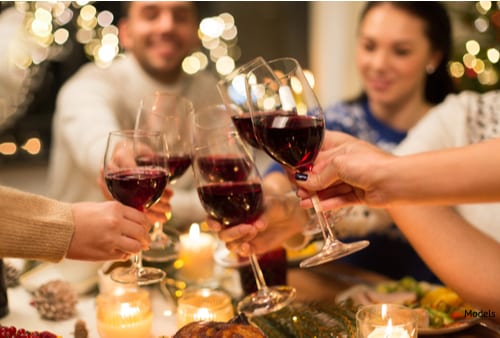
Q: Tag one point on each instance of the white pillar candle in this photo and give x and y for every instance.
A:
(196, 254)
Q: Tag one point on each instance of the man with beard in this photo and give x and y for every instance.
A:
(156, 36)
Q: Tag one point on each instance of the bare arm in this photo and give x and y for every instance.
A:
(349, 171)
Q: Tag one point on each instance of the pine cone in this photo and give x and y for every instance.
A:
(11, 275)
(55, 300)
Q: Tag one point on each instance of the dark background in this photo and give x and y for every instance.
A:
(268, 29)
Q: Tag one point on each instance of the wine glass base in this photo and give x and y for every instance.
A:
(267, 300)
(141, 276)
(333, 251)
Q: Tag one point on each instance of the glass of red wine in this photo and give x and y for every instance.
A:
(233, 93)
(230, 189)
(171, 115)
(289, 123)
(138, 185)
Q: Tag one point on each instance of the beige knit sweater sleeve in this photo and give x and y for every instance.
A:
(34, 227)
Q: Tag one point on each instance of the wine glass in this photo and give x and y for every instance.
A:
(230, 190)
(136, 184)
(233, 93)
(171, 115)
(289, 124)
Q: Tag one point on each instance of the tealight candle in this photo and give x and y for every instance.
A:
(203, 305)
(196, 254)
(124, 315)
(386, 321)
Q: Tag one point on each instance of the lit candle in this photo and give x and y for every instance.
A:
(126, 315)
(386, 321)
(389, 331)
(196, 254)
(203, 305)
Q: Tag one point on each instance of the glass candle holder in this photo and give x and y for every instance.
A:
(386, 321)
(203, 305)
(125, 315)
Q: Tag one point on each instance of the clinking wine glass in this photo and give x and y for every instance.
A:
(232, 90)
(138, 185)
(289, 124)
(171, 115)
(230, 190)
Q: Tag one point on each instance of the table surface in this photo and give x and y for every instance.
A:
(320, 283)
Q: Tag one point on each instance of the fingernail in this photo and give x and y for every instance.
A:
(301, 177)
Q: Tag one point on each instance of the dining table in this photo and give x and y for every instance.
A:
(321, 283)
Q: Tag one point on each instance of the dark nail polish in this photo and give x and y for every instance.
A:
(301, 177)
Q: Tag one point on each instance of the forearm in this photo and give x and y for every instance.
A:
(465, 259)
(459, 175)
(34, 227)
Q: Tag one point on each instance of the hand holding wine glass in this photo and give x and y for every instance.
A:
(230, 190)
(135, 184)
(289, 123)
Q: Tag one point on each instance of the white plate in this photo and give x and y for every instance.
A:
(81, 275)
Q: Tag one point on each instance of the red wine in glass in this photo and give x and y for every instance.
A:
(138, 188)
(243, 124)
(224, 168)
(293, 140)
(177, 164)
(232, 203)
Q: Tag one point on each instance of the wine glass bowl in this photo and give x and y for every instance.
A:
(232, 90)
(136, 184)
(171, 115)
(234, 195)
(289, 123)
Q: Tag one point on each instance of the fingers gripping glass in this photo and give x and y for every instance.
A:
(137, 184)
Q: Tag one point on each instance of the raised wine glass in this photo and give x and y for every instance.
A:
(171, 115)
(233, 93)
(230, 189)
(288, 122)
(136, 184)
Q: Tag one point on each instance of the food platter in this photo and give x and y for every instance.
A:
(363, 294)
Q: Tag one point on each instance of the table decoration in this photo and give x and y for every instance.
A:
(55, 300)
(125, 315)
(309, 319)
(386, 321)
(196, 255)
(203, 305)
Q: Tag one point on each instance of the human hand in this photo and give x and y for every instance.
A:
(281, 220)
(107, 231)
(347, 171)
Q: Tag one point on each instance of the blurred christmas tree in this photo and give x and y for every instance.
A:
(475, 58)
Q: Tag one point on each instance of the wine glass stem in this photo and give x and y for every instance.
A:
(137, 261)
(157, 229)
(257, 272)
(327, 231)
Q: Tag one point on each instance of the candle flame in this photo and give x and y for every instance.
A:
(194, 231)
(388, 330)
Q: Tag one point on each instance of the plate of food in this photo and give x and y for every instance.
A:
(440, 309)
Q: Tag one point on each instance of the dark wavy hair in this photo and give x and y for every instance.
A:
(438, 30)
